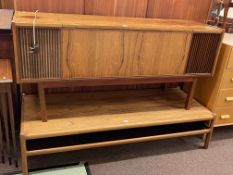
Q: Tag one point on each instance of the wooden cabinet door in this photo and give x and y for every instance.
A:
(91, 53)
(113, 53)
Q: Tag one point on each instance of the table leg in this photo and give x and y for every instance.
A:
(190, 94)
(43, 110)
(209, 135)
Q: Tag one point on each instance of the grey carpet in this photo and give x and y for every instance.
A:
(180, 156)
(167, 157)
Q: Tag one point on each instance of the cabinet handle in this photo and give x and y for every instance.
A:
(225, 117)
(231, 79)
(229, 99)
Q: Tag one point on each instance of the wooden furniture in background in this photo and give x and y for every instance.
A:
(6, 4)
(197, 10)
(7, 122)
(217, 92)
(126, 8)
(226, 23)
(6, 41)
(98, 119)
(54, 6)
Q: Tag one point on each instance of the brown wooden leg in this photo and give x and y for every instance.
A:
(6, 124)
(190, 94)
(209, 135)
(1, 143)
(24, 155)
(43, 110)
(12, 121)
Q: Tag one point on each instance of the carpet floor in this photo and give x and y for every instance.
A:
(182, 156)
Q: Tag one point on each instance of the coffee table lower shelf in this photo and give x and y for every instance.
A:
(90, 120)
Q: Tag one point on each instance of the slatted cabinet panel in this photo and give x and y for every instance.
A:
(45, 63)
(130, 8)
(203, 60)
(53, 6)
(196, 10)
(104, 53)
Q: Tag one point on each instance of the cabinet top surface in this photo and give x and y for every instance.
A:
(104, 111)
(106, 22)
(5, 71)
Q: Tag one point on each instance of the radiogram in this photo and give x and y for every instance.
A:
(69, 47)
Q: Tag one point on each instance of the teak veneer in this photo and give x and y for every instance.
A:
(82, 48)
(86, 47)
(109, 118)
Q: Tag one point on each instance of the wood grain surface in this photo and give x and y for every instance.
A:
(7, 4)
(89, 5)
(99, 53)
(55, 6)
(107, 22)
(196, 10)
(5, 71)
(108, 111)
(130, 8)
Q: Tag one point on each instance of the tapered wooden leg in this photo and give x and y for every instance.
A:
(1, 143)
(12, 122)
(190, 95)
(43, 110)
(209, 135)
(24, 155)
(5, 123)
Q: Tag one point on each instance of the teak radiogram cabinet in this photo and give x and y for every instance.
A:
(83, 47)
